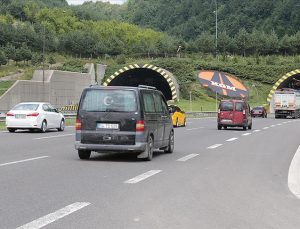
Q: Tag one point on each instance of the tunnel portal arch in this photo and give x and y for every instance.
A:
(134, 75)
(289, 80)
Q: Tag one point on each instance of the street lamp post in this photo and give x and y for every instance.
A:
(44, 44)
(216, 13)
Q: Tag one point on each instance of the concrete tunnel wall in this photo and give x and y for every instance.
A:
(134, 75)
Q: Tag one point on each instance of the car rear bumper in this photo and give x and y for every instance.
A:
(22, 123)
(138, 147)
(222, 123)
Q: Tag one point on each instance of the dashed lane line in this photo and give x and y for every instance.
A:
(272, 125)
(255, 131)
(195, 128)
(188, 157)
(52, 217)
(265, 128)
(26, 160)
(142, 177)
(54, 136)
(246, 134)
(214, 146)
(231, 139)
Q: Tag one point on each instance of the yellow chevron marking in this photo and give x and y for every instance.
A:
(172, 88)
(126, 68)
(136, 66)
(121, 71)
(131, 66)
(104, 84)
(108, 80)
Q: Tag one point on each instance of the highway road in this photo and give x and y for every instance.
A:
(214, 179)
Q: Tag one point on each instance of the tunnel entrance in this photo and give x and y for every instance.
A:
(150, 75)
(290, 80)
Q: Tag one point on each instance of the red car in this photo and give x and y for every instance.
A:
(259, 112)
(234, 113)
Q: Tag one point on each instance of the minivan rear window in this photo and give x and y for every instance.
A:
(239, 106)
(226, 106)
(109, 101)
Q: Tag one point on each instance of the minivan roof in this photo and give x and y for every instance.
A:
(122, 87)
(232, 100)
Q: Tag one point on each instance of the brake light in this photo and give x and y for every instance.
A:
(244, 112)
(10, 114)
(140, 126)
(35, 114)
(78, 124)
(219, 111)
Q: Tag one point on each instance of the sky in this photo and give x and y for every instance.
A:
(77, 2)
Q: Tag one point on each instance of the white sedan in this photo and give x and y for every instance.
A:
(34, 116)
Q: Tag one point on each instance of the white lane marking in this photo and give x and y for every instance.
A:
(246, 134)
(294, 174)
(195, 128)
(231, 139)
(142, 177)
(54, 136)
(279, 124)
(52, 217)
(255, 131)
(265, 128)
(214, 146)
(190, 156)
(30, 159)
(272, 125)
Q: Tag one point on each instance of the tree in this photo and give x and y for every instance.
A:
(242, 41)
(10, 51)
(52, 60)
(224, 42)
(205, 43)
(3, 59)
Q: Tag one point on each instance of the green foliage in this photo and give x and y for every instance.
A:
(3, 59)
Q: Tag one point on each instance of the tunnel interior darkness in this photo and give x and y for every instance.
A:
(143, 76)
(292, 82)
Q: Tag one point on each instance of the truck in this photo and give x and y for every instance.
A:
(287, 103)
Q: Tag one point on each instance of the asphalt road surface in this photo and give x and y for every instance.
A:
(214, 179)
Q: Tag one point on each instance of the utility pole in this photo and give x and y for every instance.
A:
(216, 12)
(44, 38)
(191, 107)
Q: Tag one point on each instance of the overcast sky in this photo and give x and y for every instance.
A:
(77, 2)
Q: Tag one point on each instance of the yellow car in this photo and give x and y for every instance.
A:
(178, 116)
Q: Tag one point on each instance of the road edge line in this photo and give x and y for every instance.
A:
(294, 174)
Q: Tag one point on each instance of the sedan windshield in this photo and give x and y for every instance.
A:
(26, 107)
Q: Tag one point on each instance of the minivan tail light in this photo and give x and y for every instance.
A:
(140, 126)
(10, 114)
(244, 112)
(78, 124)
(35, 114)
(219, 111)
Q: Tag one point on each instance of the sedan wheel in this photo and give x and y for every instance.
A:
(62, 126)
(11, 130)
(44, 126)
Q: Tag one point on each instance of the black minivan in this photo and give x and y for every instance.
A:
(123, 119)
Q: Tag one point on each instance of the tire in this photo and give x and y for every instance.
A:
(62, 125)
(11, 130)
(84, 154)
(184, 123)
(250, 127)
(244, 127)
(177, 124)
(149, 149)
(219, 127)
(170, 147)
(225, 127)
(43, 126)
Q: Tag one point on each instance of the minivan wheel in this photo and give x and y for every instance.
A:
(250, 127)
(62, 125)
(149, 149)
(170, 147)
(219, 127)
(244, 127)
(84, 154)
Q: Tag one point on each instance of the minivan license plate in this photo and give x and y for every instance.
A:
(107, 126)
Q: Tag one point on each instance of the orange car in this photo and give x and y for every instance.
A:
(178, 116)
